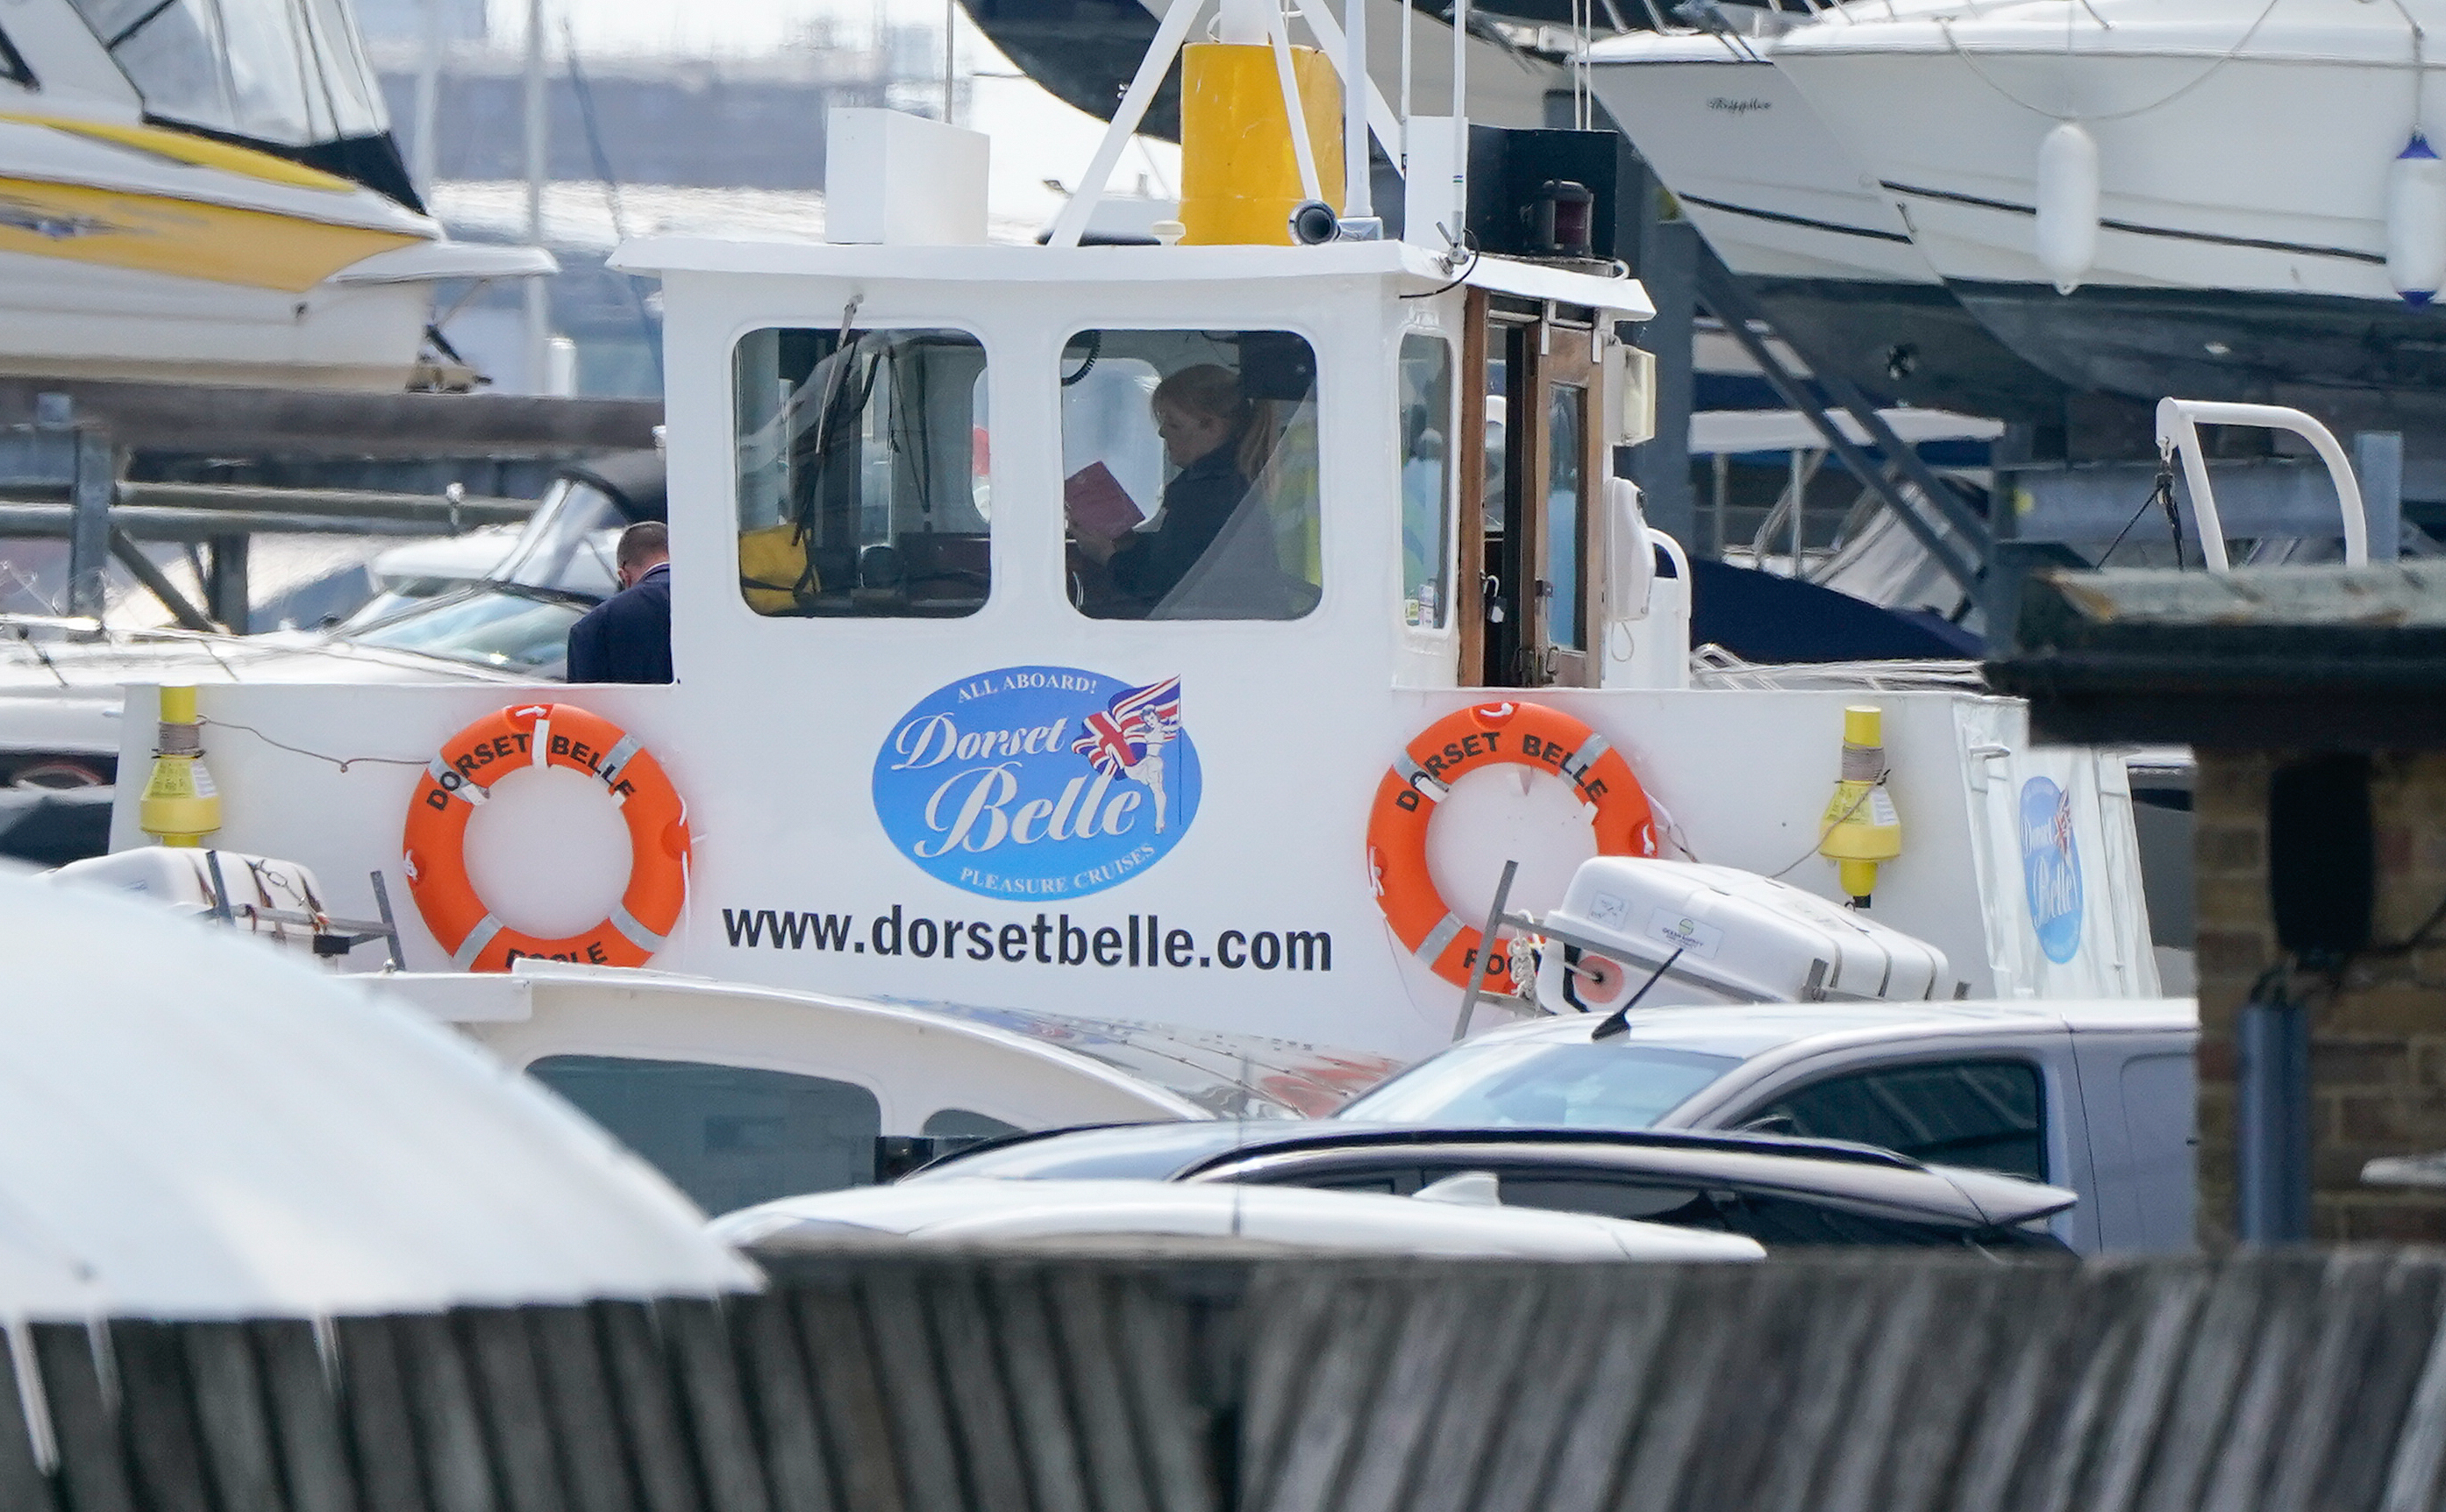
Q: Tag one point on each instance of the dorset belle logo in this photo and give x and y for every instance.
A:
(2051, 868)
(1038, 781)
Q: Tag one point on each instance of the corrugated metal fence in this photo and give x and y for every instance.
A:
(878, 1380)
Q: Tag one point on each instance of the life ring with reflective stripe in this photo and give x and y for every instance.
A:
(1488, 735)
(463, 775)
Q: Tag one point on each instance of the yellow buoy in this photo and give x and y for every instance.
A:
(1239, 175)
(1860, 828)
(180, 805)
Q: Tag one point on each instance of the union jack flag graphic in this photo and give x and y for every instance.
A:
(1136, 718)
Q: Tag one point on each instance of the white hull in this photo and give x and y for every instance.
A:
(1776, 194)
(72, 319)
(2230, 159)
(1786, 205)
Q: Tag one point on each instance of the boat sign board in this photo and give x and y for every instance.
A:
(1038, 781)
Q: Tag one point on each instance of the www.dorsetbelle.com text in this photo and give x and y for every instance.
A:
(1049, 940)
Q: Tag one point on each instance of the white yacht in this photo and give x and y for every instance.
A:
(194, 192)
(2163, 196)
(1786, 205)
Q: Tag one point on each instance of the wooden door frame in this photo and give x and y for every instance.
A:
(1564, 359)
(1469, 456)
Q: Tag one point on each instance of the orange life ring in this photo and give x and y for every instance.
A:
(463, 775)
(1452, 747)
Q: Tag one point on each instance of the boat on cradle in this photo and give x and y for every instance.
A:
(186, 201)
(954, 722)
(1788, 208)
(2163, 198)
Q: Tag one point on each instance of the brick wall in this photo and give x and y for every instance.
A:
(2378, 1048)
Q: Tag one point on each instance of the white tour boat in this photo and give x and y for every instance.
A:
(1143, 632)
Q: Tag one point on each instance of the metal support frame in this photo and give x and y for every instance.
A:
(59, 479)
(226, 596)
(132, 558)
(89, 501)
(1901, 475)
(333, 936)
(2272, 1122)
(1669, 250)
(2378, 458)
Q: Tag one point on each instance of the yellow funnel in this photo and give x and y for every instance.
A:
(1239, 176)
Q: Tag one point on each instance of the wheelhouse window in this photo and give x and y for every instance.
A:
(1427, 419)
(728, 1136)
(863, 474)
(1190, 474)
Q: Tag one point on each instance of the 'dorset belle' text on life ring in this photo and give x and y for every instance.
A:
(1488, 735)
(464, 775)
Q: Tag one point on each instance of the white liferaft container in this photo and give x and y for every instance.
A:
(1743, 938)
(181, 877)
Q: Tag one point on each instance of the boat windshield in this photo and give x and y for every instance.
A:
(1542, 1085)
(570, 546)
(288, 72)
(509, 629)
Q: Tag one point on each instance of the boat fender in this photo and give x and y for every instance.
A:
(462, 774)
(2415, 221)
(1451, 747)
(2066, 227)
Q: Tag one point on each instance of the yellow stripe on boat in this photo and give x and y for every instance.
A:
(190, 239)
(184, 146)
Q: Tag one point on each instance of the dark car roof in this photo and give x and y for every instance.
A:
(1200, 1151)
(1159, 1151)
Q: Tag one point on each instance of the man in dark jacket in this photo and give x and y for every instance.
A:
(627, 638)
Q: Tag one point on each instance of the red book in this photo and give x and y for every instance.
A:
(1098, 505)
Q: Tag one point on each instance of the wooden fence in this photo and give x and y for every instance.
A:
(891, 1381)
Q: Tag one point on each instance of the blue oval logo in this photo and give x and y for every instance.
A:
(1038, 781)
(2051, 868)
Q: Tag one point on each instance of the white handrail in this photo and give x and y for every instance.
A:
(2178, 423)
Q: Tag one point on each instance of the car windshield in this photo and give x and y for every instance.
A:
(1138, 1152)
(1542, 1084)
(514, 629)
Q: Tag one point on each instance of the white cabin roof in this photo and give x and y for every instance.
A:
(1421, 272)
(194, 1126)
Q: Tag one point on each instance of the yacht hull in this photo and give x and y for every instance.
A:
(2357, 364)
(134, 252)
(1785, 205)
(91, 320)
(194, 240)
(2240, 248)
